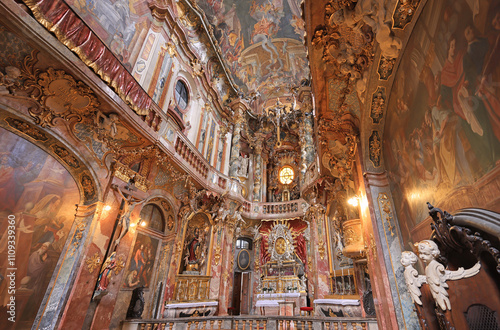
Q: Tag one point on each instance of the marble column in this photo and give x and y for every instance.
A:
(384, 261)
(234, 160)
(306, 131)
(60, 285)
(257, 171)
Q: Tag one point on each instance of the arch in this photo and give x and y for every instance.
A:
(83, 174)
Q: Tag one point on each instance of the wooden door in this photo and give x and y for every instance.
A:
(245, 301)
(236, 293)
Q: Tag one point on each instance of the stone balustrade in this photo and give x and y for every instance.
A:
(193, 162)
(250, 322)
(192, 157)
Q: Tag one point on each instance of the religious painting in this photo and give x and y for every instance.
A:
(119, 24)
(41, 195)
(142, 262)
(196, 245)
(442, 138)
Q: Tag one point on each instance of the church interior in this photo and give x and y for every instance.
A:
(249, 164)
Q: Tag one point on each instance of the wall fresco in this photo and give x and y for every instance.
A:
(41, 194)
(443, 124)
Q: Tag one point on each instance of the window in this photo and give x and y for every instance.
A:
(244, 243)
(152, 217)
(181, 95)
(286, 175)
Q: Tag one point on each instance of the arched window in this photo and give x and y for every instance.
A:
(181, 95)
(152, 217)
(244, 243)
(286, 174)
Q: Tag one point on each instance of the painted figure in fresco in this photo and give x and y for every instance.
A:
(470, 109)
(37, 266)
(130, 202)
(488, 86)
(105, 274)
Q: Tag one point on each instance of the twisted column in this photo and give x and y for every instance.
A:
(306, 131)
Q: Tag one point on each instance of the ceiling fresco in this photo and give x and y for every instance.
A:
(262, 43)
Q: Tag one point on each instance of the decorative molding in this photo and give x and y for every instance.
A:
(26, 129)
(375, 148)
(385, 67)
(386, 211)
(93, 262)
(403, 13)
(378, 105)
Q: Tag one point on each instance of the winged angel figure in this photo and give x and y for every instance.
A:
(435, 274)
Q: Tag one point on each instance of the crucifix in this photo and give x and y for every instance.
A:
(277, 111)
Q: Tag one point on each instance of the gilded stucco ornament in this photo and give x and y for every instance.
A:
(375, 148)
(403, 13)
(197, 67)
(93, 262)
(58, 93)
(385, 67)
(378, 105)
(280, 243)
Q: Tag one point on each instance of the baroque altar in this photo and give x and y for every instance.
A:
(282, 290)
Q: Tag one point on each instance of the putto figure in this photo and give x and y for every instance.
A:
(435, 274)
(413, 280)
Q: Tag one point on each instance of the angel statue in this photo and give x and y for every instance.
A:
(413, 280)
(435, 274)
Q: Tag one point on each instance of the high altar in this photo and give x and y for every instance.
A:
(282, 286)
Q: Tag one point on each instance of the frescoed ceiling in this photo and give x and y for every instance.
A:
(261, 42)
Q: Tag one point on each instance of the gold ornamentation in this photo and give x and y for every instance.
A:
(81, 225)
(93, 262)
(385, 67)
(60, 96)
(26, 129)
(386, 211)
(321, 249)
(378, 105)
(88, 187)
(197, 67)
(375, 148)
(170, 49)
(120, 264)
(217, 255)
(124, 173)
(373, 248)
(65, 156)
(191, 288)
(403, 13)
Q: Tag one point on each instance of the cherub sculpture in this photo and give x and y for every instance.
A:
(435, 274)
(413, 280)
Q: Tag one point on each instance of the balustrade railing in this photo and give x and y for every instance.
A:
(191, 157)
(250, 322)
(281, 207)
